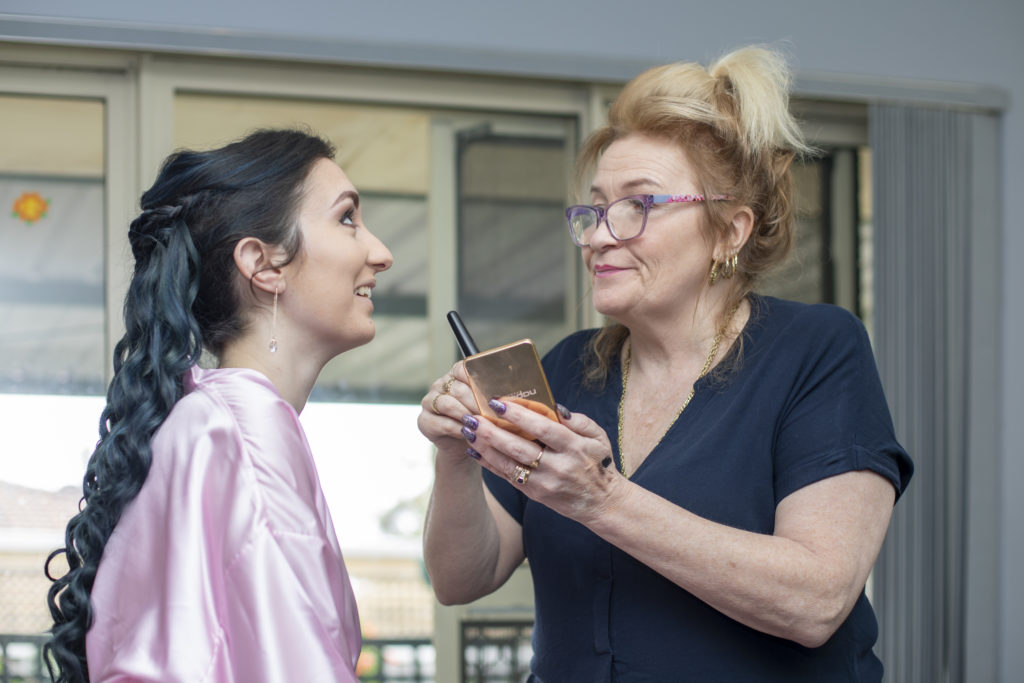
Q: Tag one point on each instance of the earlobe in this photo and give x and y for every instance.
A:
(254, 260)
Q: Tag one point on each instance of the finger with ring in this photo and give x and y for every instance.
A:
(447, 386)
(433, 404)
(535, 463)
(521, 474)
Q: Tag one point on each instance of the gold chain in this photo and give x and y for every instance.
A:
(686, 402)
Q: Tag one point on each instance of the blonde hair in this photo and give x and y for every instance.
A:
(732, 120)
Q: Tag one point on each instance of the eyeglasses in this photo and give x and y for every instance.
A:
(625, 217)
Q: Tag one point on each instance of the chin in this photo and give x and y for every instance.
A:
(354, 338)
(610, 307)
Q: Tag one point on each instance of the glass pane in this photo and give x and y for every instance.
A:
(393, 368)
(512, 263)
(805, 275)
(52, 261)
(52, 340)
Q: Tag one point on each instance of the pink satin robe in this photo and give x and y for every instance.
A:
(226, 567)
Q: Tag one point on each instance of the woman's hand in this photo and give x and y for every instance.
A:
(444, 404)
(570, 470)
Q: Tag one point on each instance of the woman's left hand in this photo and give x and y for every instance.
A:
(570, 470)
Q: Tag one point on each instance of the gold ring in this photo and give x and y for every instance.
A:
(521, 474)
(535, 463)
(433, 405)
(447, 386)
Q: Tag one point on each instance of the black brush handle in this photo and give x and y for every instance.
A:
(462, 335)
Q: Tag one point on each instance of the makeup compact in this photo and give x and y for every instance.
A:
(512, 372)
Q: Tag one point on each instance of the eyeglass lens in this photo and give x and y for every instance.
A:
(625, 218)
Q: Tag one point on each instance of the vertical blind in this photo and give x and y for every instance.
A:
(922, 189)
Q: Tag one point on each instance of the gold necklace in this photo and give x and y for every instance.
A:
(686, 402)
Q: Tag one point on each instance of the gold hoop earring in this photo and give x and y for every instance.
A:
(273, 326)
(713, 275)
(729, 266)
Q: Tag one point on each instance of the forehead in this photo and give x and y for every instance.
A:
(326, 178)
(637, 158)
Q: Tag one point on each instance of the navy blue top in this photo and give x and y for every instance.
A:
(804, 404)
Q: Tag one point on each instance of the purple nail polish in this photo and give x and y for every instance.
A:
(497, 406)
(472, 453)
(563, 411)
(470, 421)
(469, 434)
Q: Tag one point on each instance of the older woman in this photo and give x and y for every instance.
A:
(717, 489)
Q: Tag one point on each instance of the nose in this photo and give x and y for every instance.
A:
(379, 256)
(601, 239)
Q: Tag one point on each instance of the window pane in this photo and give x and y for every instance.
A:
(52, 261)
(52, 336)
(826, 264)
(513, 244)
(804, 276)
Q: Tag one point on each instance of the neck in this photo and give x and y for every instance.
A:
(292, 373)
(684, 337)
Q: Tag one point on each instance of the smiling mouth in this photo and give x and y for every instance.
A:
(364, 291)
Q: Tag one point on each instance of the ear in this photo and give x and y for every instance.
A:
(740, 227)
(254, 259)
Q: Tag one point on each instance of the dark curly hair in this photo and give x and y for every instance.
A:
(181, 301)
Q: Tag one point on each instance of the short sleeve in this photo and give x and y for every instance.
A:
(835, 418)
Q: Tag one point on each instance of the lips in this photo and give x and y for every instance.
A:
(604, 271)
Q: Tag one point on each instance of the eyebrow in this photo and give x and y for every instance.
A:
(347, 194)
(631, 185)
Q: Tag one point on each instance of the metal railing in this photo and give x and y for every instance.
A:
(383, 660)
(496, 651)
(21, 658)
(492, 652)
(397, 660)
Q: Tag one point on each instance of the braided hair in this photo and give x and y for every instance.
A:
(182, 300)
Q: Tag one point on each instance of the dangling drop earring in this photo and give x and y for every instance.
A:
(273, 326)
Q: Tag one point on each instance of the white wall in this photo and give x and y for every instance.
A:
(978, 42)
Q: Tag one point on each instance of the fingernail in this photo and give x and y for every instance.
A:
(563, 411)
(606, 462)
(470, 421)
(497, 406)
(472, 453)
(469, 434)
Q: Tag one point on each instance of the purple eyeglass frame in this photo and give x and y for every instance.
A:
(648, 200)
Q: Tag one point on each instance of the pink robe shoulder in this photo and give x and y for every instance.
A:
(226, 567)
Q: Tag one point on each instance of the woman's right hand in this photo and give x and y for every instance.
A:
(471, 545)
(444, 404)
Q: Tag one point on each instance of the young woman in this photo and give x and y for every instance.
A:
(204, 549)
